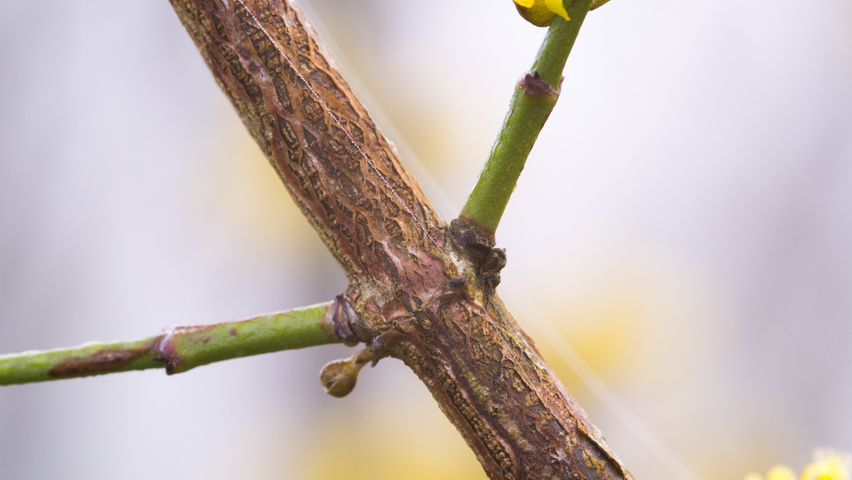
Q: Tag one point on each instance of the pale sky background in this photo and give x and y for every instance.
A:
(685, 223)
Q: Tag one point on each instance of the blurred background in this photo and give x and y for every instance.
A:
(684, 224)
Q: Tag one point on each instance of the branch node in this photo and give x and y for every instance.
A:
(477, 243)
(166, 351)
(535, 86)
(343, 320)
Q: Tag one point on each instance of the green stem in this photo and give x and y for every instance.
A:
(179, 349)
(532, 102)
(184, 348)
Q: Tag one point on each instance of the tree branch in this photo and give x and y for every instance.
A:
(419, 291)
(180, 348)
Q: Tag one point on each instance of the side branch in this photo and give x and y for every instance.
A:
(533, 100)
(180, 348)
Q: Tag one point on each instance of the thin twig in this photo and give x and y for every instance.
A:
(179, 349)
(533, 100)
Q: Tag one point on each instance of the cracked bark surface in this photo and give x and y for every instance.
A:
(419, 290)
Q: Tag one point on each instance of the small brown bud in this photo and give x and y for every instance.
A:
(339, 377)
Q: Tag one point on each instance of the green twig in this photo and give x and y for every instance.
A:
(533, 100)
(179, 348)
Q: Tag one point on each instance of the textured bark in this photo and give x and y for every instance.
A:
(420, 290)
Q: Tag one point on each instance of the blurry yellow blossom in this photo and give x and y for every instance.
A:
(541, 12)
(780, 472)
(827, 465)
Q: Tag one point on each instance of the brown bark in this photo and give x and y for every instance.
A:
(420, 290)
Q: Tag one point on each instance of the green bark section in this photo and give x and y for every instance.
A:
(179, 349)
(529, 108)
(185, 348)
(83, 361)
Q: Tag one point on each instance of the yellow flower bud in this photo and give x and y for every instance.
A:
(541, 12)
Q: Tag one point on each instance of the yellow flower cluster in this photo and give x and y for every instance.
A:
(541, 12)
(827, 465)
